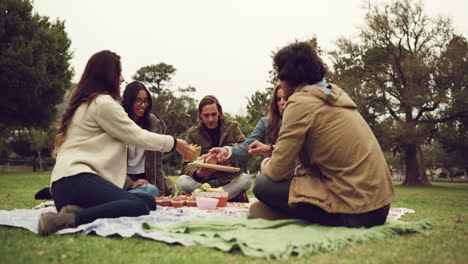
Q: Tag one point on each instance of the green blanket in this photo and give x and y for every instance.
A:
(281, 238)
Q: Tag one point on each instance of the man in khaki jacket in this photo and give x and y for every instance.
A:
(213, 131)
(326, 158)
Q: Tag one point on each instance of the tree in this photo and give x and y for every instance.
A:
(393, 72)
(453, 74)
(38, 141)
(34, 66)
(35, 144)
(155, 76)
(178, 114)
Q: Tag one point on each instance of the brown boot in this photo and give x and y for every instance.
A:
(261, 210)
(69, 209)
(241, 198)
(52, 222)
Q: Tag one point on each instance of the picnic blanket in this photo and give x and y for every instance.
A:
(281, 238)
(192, 226)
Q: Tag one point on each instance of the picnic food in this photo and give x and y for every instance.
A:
(191, 202)
(207, 191)
(163, 201)
(196, 155)
(211, 160)
(178, 201)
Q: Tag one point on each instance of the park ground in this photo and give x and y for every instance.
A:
(445, 204)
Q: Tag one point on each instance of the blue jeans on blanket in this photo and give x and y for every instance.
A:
(276, 195)
(148, 189)
(98, 198)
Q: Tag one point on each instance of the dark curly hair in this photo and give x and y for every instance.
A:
(298, 64)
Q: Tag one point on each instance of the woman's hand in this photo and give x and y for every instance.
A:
(221, 153)
(257, 148)
(138, 183)
(184, 149)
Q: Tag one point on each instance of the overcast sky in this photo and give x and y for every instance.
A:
(222, 48)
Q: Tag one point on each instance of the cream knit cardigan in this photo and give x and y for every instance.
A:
(96, 142)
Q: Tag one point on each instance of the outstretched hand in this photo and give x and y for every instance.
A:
(221, 153)
(257, 148)
(184, 149)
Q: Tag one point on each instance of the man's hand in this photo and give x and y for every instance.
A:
(257, 148)
(204, 173)
(138, 183)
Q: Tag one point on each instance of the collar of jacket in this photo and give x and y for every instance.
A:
(225, 127)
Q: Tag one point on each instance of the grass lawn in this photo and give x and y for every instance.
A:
(446, 204)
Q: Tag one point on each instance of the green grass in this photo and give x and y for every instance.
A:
(446, 204)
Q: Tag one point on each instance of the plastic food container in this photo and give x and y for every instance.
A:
(221, 196)
(191, 203)
(178, 203)
(163, 201)
(206, 203)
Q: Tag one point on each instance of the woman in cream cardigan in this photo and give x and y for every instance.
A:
(91, 165)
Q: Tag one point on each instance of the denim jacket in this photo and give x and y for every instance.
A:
(260, 133)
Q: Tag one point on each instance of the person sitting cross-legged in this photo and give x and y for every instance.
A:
(211, 131)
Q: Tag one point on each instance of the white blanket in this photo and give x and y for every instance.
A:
(122, 226)
(132, 226)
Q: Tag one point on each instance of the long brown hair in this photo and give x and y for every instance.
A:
(101, 76)
(274, 117)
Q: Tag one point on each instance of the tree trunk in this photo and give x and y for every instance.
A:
(415, 172)
(40, 160)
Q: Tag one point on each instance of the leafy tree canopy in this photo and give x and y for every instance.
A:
(398, 73)
(34, 62)
(156, 76)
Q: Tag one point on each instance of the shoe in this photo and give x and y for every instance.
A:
(43, 194)
(241, 198)
(52, 222)
(261, 210)
(69, 209)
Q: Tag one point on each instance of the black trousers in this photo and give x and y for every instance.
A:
(275, 195)
(98, 198)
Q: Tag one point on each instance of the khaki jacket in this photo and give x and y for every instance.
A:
(230, 135)
(340, 165)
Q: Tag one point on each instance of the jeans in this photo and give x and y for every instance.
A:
(236, 186)
(276, 195)
(98, 198)
(148, 189)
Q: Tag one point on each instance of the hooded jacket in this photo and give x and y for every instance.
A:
(337, 162)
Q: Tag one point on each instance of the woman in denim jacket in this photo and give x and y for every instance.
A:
(262, 139)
